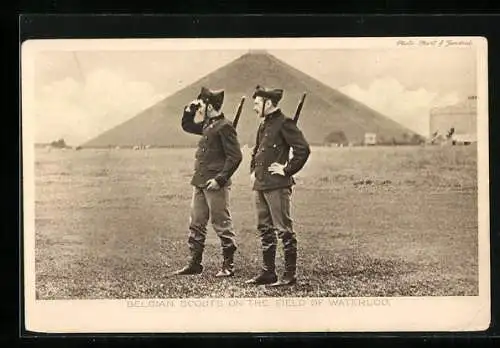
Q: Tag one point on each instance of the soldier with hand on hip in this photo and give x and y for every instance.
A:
(272, 175)
(217, 158)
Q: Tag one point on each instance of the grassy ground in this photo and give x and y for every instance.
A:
(370, 222)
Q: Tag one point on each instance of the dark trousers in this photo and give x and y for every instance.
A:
(214, 206)
(274, 221)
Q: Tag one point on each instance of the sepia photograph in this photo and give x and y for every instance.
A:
(243, 185)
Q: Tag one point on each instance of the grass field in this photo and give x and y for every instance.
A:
(395, 221)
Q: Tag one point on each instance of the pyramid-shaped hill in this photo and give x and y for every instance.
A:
(325, 110)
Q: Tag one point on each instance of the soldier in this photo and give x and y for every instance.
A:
(272, 175)
(217, 158)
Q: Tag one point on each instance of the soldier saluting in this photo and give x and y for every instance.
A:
(217, 158)
(272, 175)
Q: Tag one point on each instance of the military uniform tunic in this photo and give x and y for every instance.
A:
(276, 135)
(218, 154)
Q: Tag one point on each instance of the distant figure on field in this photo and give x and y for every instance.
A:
(272, 175)
(450, 132)
(217, 158)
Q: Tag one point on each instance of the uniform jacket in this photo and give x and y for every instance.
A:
(218, 154)
(276, 135)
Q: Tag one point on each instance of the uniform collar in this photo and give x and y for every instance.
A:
(211, 120)
(216, 118)
(272, 114)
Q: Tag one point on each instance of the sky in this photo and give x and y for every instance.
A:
(80, 94)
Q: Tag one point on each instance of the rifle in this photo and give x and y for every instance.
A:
(299, 108)
(238, 112)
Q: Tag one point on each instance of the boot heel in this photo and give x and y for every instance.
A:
(190, 270)
(264, 278)
(227, 269)
(194, 266)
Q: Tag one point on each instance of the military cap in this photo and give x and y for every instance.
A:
(214, 97)
(274, 94)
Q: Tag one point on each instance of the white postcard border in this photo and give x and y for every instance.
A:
(262, 314)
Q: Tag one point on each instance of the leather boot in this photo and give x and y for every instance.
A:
(268, 272)
(289, 277)
(227, 269)
(194, 266)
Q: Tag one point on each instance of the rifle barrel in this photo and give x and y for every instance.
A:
(299, 108)
(238, 112)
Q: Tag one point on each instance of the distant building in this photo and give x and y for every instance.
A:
(336, 138)
(458, 121)
(370, 138)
